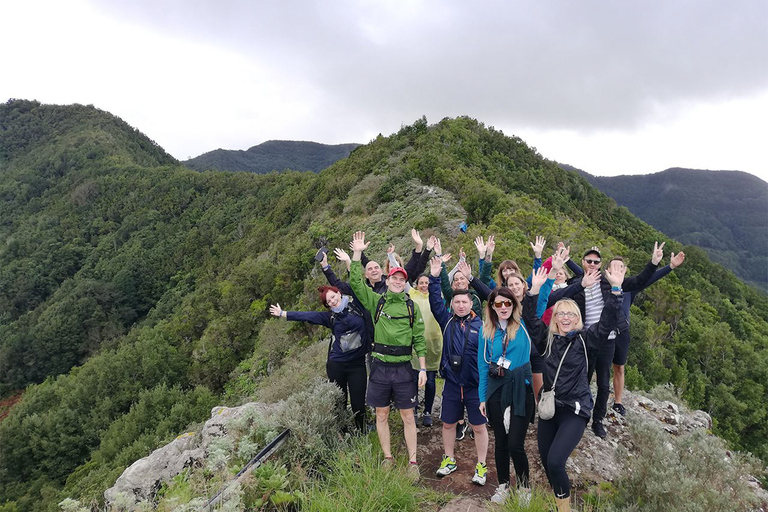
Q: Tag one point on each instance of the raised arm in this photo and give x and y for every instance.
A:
(311, 317)
(536, 328)
(612, 316)
(436, 303)
(364, 293)
(640, 281)
(482, 290)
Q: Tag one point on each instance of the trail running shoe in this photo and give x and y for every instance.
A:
(502, 493)
(523, 497)
(388, 463)
(480, 471)
(426, 420)
(619, 409)
(413, 471)
(447, 466)
(461, 431)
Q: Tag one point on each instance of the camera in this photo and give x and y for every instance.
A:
(455, 362)
(495, 371)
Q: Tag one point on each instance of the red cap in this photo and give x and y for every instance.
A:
(395, 270)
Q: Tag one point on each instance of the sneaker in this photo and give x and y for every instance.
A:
(599, 429)
(619, 409)
(447, 466)
(461, 430)
(523, 497)
(480, 471)
(388, 463)
(426, 420)
(501, 494)
(413, 471)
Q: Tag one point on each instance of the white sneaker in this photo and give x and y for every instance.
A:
(523, 497)
(481, 471)
(502, 493)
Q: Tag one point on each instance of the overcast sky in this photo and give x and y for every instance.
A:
(609, 87)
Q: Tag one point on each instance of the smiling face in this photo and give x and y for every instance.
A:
(332, 299)
(423, 284)
(373, 272)
(396, 282)
(560, 276)
(517, 285)
(567, 317)
(461, 304)
(591, 261)
(460, 282)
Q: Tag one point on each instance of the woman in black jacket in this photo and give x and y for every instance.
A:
(351, 340)
(566, 346)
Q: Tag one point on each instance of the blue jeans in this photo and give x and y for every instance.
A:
(429, 390)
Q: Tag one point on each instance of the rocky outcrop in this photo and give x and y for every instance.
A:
(141, 481)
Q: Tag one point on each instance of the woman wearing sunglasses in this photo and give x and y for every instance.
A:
(505, 388)
(564, 347)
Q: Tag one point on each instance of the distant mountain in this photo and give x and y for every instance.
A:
(273, 155)
(723, 212)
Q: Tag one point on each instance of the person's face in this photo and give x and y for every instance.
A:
(560, 277)
(507, 271)
(591, 262)
(373, 272)
(396, 283)
(460, 282)
(503, 307)
(423, 284)
(332, 299)
(566, 320)
(461, 304)
(516, 285)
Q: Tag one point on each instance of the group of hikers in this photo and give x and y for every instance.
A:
(505, 347)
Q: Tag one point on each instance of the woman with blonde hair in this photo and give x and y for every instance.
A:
(565, 347)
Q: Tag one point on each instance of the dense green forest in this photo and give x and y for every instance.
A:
(133, 291)
(273, 155)
(723, 212)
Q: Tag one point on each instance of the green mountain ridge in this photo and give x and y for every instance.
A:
(723, 212)
(272, 155)
(133, 291)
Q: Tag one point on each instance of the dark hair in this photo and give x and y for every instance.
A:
(324, 292)
(462, 291)
(491, 319)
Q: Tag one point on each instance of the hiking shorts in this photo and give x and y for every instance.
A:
(455, 401)
(621, 353)
(391, 383)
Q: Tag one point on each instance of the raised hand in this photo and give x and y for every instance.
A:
(560, 257)
(358, 244)
(590, 278)
(465, 269)
(675, 260)
(658, 253)
(324, 261)
(490, 246)
(431, 242)
(462, 255)
(480, 246)
(276, 310)
(446, 258)
(537, 279)
(561, 245)
(390, 248)
(435, 265)
(417, 241)
(538, 246)
(615, 273)
(341, 255)
(438, 247)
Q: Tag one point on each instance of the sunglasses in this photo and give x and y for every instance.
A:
(569, 314)
(592, 262)
(502, 303)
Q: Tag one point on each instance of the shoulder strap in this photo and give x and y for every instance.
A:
(585, 349)
(561, 365)
(408, 304)
(379, 309)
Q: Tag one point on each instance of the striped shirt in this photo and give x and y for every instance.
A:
(593, 304)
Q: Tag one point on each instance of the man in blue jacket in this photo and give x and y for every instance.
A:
(458, 366)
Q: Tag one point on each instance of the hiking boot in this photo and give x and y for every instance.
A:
(388, 463)
(426, 420)
(523, 497)
(461, 430)
(619, 409)
(413, 471)
(447, 466)
(480, 471)
(599, 429)
(501, 494)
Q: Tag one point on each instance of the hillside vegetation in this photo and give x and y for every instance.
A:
(133, 291)
(273, 155)
(723, 212)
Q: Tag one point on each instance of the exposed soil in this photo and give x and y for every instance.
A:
(7, 403)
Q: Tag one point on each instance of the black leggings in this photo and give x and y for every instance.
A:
(557, 439)
(512, 444)
(352, 379)
(602, 367)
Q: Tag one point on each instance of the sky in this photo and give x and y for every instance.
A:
(608, 87)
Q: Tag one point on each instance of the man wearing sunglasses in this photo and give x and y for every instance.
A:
(591, 291)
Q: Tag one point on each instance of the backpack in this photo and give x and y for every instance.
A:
(408, 304)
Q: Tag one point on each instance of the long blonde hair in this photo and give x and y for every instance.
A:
(491, 318)
(561, 305)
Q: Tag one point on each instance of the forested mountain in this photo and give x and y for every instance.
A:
(133, 291)
(273, 155)
(723, 212)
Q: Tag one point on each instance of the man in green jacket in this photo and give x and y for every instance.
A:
(398, 332)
